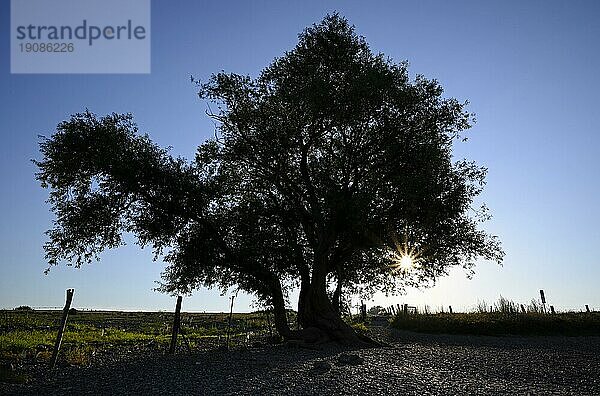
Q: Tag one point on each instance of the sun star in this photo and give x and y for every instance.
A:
(403, 257)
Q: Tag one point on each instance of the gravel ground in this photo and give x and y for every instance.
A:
(413, 364)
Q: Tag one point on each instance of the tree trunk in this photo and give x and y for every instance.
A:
(317, 312)
(279, 312)
(320, 321)
(303, 297)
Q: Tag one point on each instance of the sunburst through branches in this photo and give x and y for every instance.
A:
(404, 258)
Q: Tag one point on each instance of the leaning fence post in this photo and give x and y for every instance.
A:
(522, 308)
(587, 308)
(61, 329)
(450, 308)
(552, 309)
(176, 325)
(363, 311)
(229, 321)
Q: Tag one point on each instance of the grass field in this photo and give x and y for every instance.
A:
(503, 317)
(502, 323)
(30, 335)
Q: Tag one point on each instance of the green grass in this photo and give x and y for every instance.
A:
(502, 323)
(26, 334)
(22, 340)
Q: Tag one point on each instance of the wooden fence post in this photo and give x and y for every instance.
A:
(405, 309)
(450, 308)
(229, 322)
(587, 308)
(61, 329)
(552, 309)
(176, 325)
(543, 298)
(522, 308)
(363, 311)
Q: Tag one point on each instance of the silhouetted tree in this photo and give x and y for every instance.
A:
(325, 171)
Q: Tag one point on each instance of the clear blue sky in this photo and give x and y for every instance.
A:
(529, 69)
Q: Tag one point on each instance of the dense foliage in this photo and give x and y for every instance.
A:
(325, 172)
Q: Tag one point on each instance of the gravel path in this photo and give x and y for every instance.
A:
(414, 364)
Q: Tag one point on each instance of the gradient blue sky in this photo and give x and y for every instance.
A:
(529, 69)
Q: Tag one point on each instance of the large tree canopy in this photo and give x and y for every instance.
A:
(332, 170)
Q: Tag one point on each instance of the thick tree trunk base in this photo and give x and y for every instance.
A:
(321, 322)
